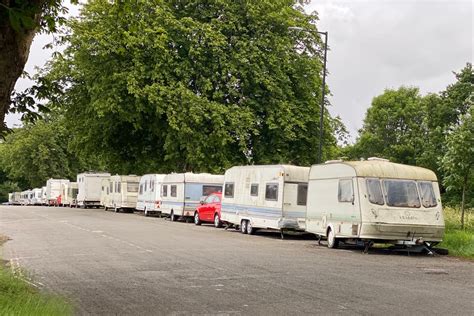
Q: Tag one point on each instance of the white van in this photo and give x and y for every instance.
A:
(181, 193)
(374, 201)
(149, 193)
(89, 188)
(53, 190)
(105, 192)
(69, 194)
(36, 196)
(123, 193)
(266, 196)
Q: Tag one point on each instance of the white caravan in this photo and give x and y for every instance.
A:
(25, 197)
(105, 192)
(16, 198)
(10, 199)
(374, 201)
(37, 196)
(69, 194)
(44, 195)
(149, 193)
(89, 185)
(53, 190)
(266, 196)
(181, 193)
(123, 193)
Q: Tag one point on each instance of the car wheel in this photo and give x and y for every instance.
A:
(243, 226)
(197, 220)
(250, 229)
(217, 221)
(333, 242)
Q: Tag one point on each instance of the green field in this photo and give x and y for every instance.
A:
(459, 242)
(17, 297)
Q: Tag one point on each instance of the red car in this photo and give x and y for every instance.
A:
(209, 211)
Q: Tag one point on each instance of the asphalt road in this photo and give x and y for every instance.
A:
(109, 263)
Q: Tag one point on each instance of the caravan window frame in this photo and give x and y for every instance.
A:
(340, 197)
(231, 187)
(173, 190)
(431, 191)
(382, 195)
(252, 191)
(267, 186)
(164, 190)
(385, 183)
(302, 198)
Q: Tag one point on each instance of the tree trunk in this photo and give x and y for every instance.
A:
(463, 201)
(14, 51)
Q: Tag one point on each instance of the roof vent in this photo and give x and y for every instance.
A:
(333, 161)
(377, 159)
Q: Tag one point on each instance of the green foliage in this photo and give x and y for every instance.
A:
(174, 86)
(7, 187)
(31, 155)
(459, 241)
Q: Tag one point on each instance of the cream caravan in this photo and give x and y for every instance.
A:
(53, 190)
(268, 197)
(181, 193)
(69, 194)
(123, 193)
(44, 195)
(104, 192)
(37, 196)
(89, 188)
(149, 194)
(374, 201)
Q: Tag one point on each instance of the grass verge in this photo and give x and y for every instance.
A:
(17, 297)
(459, 242)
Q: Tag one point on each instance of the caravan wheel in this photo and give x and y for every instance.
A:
(333, 242)
(243, 226)
(250, 229)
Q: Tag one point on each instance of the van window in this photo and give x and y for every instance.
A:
(165, 190)
(254, 189)
(271, 192)
(229, 190)
(428, 198)
(302, 195)
(374, 189)
(173, 191)
(401, 193)
(209, 189)
(345, 192)
(132, 186)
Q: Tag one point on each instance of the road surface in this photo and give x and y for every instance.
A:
(116, 263)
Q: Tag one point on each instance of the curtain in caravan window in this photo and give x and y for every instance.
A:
(374, 189)
(427, 193)
(271, 192)
(173, 190)
(229, 190)
(346, 193)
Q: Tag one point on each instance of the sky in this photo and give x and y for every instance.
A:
(374, 45)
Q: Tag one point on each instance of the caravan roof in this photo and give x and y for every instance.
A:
(373, 168)
(290, 173)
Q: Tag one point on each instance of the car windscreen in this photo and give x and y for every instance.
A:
(401, 193)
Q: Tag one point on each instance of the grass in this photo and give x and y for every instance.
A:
(17, 297)
(459, 242)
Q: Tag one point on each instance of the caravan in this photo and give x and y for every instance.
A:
(15, 198)
(149, 194)
(374, 201)
(181, 193)
(36, 196)
(104, 192)
(44, 195)
(53, 191)
(69, 194)
(123, 192)
(26, 197)
(268, 197)
(89, 186)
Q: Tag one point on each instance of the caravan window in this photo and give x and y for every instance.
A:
(374, 189)
(345, 192)
(152, 186)
(302, 195)
(427, 194)
(132, 186)
(254, 189)
(209, 189)
(111, 185)
(165, 190)
(141, 189)
(173, 191)
(229, 190)
(146, 182)
(271, 192)
(119, 187)
(401, 193)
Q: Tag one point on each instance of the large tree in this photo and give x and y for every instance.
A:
(195, 85)
(20, 20)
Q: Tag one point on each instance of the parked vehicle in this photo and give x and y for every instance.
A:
(105, 192)
(44, 196)
(181, 193)
(266, 196)
(15, 199)
(69, 193)
(149, 194)
(210, 210)
(36, 196)
(10, 199)
(89, 185)
(53, 191)
(26, 197)
(374, 201)
(123, 193)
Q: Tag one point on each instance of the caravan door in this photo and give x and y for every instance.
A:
(294, 205)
